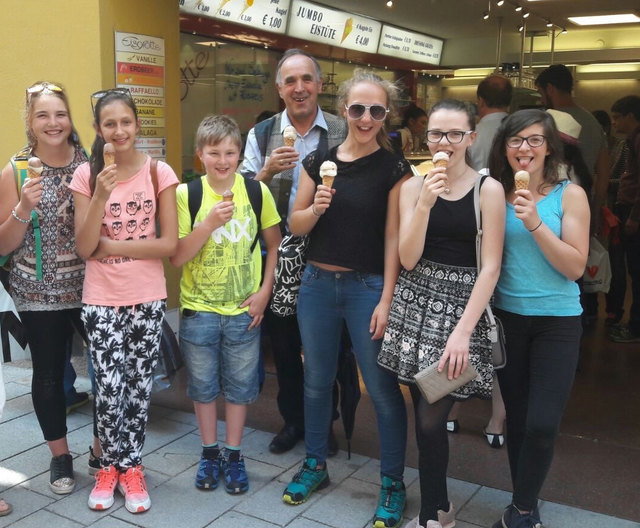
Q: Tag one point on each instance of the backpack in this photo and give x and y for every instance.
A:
(20, 164)
(254, 192)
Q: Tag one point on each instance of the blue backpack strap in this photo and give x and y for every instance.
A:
(194, 195)
(254, 191)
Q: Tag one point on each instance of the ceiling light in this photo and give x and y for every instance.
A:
(564, 31)
(500, 3)
(518, 8)
(485, 15)
(520, 28)
(597, 20)
(549, 23)
(390, 3)
(526, 14)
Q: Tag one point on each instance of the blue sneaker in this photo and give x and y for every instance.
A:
(307, 480)
(512, 518)
(208, 473)
(390, 504)
(235, 473)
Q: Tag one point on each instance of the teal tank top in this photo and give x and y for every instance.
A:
(528, 284)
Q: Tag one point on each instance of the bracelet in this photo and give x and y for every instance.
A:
(532, 230)
(313, 210)
(21, 220)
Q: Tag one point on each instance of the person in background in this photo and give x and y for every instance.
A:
(625, 113)
(437, 315)
(223, 296)
(412, 129)
(46, 282)
(267, 159)
(537, 299)
(352, 267)
(118, 203)
(494, 98)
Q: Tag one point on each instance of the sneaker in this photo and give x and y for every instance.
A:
(512, 518)
(390, 504)
(101, 496)
(447, 519)
(624, 335)
(61, 479)
(307, 480)
(415, 523)
(75, 400)
(208, 473)
(134, 488)
(235, 473)
(93, 465)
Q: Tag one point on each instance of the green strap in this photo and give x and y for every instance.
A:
(38, 237)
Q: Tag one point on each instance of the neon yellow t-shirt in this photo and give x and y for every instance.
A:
(223, 273)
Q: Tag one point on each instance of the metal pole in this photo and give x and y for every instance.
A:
(499, 45)
(524, 31)
(553, 43)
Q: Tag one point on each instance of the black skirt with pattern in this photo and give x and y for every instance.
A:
(428, 302)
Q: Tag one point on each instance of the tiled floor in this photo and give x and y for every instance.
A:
(171, 455)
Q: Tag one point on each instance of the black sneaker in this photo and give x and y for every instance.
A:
(61, 479)
(93, 465)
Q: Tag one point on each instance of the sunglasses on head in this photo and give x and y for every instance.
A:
(43, 87)
(95, 97)
(376, 111)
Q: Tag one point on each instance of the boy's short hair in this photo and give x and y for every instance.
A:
(558, 75)
(628, 105)
(215, 128)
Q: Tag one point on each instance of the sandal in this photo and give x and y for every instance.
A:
(5, 508)
(496, 440)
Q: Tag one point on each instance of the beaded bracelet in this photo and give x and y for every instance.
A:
(532, 230)
(21, 220)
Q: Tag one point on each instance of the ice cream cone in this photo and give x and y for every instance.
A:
(34, 167)
(521, 179)
(289, 135)
(441, 159)
(109, 154)
(328, 172)
(227, 196)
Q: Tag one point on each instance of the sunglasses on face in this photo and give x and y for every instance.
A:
(534, 141)
(95, 97)
(376, 111)
(43, 87)
(453, 136)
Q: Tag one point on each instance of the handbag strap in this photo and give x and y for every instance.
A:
(476, 207)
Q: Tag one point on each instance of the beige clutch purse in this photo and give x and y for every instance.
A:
(435, 385)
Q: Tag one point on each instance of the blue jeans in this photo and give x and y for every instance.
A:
(327, 300)
(221, 355)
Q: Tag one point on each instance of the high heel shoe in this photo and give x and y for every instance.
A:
(496, 440)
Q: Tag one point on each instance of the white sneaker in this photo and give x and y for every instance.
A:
(134, 488)
(101, 496)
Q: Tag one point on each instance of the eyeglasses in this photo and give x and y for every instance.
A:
(95, 97)
(43, 87)
(534, 141)
(453, 136)
(376, 111)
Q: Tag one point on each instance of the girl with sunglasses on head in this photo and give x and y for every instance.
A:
(46, 273)
(352, 265)
(124, 291)
(545, 251)
(437, 315)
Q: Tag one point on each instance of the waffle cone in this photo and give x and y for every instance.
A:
(328, 180)
(288, 142)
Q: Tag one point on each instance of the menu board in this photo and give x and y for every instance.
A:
(140, 62)
(408, 45)
(337, 28)
(268, 15)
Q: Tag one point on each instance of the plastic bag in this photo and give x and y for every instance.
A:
(597, 274)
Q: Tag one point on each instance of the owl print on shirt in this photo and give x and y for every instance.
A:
(130, 219)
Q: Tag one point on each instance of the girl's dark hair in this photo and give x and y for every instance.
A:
(456, 105)
(498, 164)
(96, 161)
(55, 90)
(412, 112)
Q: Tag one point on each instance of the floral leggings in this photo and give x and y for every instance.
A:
(124, 343)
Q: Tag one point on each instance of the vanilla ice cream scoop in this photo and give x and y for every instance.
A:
(441, 159)
(109, 154)
(35, 167)
(289, 135)
(328, 171)
(521, 179)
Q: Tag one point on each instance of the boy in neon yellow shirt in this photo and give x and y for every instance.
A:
(222, 296)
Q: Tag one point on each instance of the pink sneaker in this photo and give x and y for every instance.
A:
(101, 496)
(134, 488)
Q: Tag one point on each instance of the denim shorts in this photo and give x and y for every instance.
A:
(221, 355)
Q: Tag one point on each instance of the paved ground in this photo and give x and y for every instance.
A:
(171, 454)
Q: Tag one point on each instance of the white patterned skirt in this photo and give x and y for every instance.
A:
(428, 302)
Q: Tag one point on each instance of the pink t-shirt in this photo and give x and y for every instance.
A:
(129, 214)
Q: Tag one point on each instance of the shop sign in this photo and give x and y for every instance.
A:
(268, 15)
(140, 63)
(408, 45)
(336, 28)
